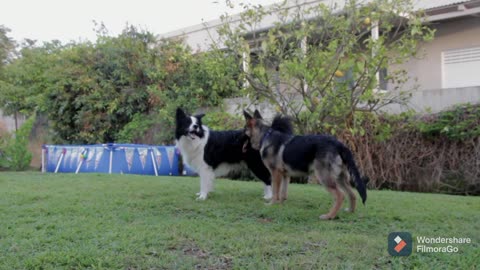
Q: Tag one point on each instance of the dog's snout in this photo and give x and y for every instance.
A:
(195, 126)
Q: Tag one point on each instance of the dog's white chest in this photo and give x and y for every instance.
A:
(192, 151)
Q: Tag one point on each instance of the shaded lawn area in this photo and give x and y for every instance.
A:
(143, 222)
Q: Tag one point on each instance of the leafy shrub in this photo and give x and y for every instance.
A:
(14, 154)
(134, 131)
(460, 123)
(219, 120)
(99, 92)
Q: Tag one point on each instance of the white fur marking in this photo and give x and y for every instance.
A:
(224, 168)
(192, 150)
(267, 192)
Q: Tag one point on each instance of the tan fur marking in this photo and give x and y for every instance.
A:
(251, 123)
(277, 179)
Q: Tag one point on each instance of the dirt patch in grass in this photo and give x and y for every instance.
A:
(206, 259)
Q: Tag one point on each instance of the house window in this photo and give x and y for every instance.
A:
(381, 76)
(460, 67)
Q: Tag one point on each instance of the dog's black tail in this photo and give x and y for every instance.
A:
(347, 157)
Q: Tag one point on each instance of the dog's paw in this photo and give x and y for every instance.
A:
(348, 210)
(325, 217)
(267, 192)
(197, 194)
(202, 197)
(273, 202)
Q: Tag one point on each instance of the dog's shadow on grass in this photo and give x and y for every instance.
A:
(247, 204)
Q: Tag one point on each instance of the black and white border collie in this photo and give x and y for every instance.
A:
(216, 153)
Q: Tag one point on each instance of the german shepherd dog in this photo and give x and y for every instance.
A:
(321, 156)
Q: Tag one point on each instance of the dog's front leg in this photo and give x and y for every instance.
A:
(267, 192)
(277, 179)
(206, 183)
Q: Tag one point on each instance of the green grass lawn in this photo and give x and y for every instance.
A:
(96, 221)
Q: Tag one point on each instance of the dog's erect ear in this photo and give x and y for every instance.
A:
(247, 115)
(250, 120)
(257, 114)
(180, 113)
(199, 116)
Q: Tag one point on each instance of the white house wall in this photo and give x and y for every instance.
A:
(463, 33)
(426, 71)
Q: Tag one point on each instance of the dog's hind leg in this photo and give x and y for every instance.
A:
(344, 182)
(338, 198)
(328, 175)
(284, 188)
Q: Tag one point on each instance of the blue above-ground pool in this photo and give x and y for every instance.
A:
(111, 158)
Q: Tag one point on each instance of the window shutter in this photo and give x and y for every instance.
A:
(461, 67)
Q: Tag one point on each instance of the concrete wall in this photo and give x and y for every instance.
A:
(426, 101)
(7, 122)
(235, 106)
(435, 100)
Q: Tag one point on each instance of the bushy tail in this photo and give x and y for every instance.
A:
(347, 157)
